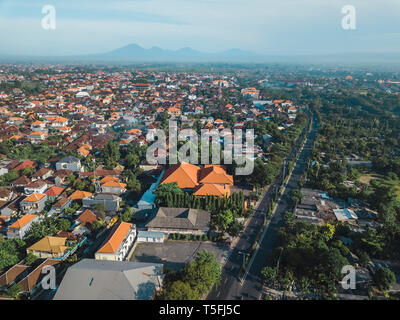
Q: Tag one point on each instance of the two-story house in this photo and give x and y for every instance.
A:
(113, 187)
(119, 242)
(33, 203)
(110, 201)
(38, 186)
(21, 226)
(69, 163)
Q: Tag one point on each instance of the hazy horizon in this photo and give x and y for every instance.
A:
(286, 27)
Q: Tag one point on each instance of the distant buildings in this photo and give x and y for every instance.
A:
(251, 92)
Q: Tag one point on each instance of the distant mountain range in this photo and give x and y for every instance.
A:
(133, 53)
(138, 53)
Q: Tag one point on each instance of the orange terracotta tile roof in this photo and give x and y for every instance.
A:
(173, 109)
(38, 133)
(79, 195)
(134, 131)
(114, 184)
(83, 151)
(215, 174)
(87, 216)
(109, 178)
(115, 239)
(124, 141)
(23, 221)
(210, 189)
(184, 174)
(60, 119)
(54, 191)
(34, 197)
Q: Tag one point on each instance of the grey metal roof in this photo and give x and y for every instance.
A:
(69, 159)
(150, 234)
(181, 218)
(92, 279)
(105, 196)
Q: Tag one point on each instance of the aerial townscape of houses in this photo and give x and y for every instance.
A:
(72, 149)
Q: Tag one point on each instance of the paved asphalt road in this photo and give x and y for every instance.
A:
(231, 288)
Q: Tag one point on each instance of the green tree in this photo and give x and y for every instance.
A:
(165, 193)
(96, 226)
(269, 274)
(295, 197)
(203, 272)
(132, 160)
(26, 171)
(127, 215)
(180, 290)
(30, 258)
(235, 228)
(134, 185)
(224, 219)
(384, 278)
(64, 224)
(14, 291)
(111, 154)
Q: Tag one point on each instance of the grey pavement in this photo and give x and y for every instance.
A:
(175, 254)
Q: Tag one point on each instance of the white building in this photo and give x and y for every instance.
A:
(118, 244)
(150, 236)
(69, 163)
(21, 226)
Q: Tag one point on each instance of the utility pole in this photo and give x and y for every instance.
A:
(277, 264)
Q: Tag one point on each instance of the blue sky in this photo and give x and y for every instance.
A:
(284, 27)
